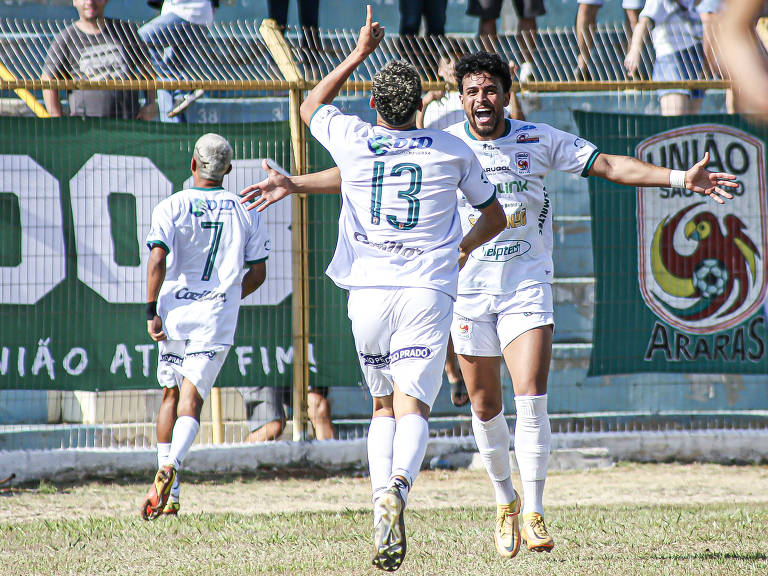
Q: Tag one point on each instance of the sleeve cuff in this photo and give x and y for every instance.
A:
(259, 261)
(315, 112)
(588, 165)
(152, 243)
(486, 203)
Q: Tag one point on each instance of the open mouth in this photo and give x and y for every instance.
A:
(483, 115)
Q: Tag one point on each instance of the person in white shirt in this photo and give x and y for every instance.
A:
(676, 34)
(398, 253)
(504, 305)
(175, 39)
(200, 240)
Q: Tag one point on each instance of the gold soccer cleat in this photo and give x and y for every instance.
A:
(534, 533)
(507, 532)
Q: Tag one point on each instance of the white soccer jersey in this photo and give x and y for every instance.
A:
(209, 237)
(398, 224)
(517, 162)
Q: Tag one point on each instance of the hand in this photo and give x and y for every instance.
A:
(273, 188)
(631, 62)
(512, 69)
(155, 329)
(147, 112)
(370, 35)
(432, 96)
(462, 259)
(700, 180)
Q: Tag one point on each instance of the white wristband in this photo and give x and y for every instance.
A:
(677, 178)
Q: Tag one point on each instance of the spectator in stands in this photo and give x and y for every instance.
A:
(527, 10)
(586, 20)
(98, 48)
(676, 38)
(308, 12)
(265, 411)
(745, 57)
(433, 11)
(174, 39)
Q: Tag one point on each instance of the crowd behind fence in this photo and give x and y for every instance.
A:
(70, 274)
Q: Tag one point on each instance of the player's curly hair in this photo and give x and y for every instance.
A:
(484, 63)
(397, 92)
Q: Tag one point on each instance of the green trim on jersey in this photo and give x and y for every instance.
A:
(486, 203)
(507, 129)
(162, 245)
(588, 165)
(204, 189)
(315, 112)
(259, 261)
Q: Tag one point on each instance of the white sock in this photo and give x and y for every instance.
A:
(381, 434)
(184, 433)
(408, 448)
(163, 449)
(163, 452)
(492, 439)
(532, 437)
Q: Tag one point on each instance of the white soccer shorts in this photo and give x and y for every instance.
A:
(198, 362)
(483, 325)
(401, 336)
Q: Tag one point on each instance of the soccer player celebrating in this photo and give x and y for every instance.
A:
(504, 305)
(398, 253)
(200, 240)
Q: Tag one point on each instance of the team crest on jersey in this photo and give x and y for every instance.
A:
(385, 143)
(702, 266)
(523, 163)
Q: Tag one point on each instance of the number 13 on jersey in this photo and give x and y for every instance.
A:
(409, 194)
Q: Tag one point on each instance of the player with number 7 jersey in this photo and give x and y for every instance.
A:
(200, 241)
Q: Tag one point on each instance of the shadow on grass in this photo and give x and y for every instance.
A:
(708, 555)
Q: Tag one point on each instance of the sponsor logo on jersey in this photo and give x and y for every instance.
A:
(501, 251)
(543, 214)
(174, 359)
(384, 360)
(199, 206)
(516, 217)
(210, 354)
(389, 246)
(524, 138)
(523, 163)
(702, 267)
(526, 128)
(187, 294)
(385, 143)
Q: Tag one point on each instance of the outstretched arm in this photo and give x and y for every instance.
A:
(277, 186)
(633, 172)
(328, 88)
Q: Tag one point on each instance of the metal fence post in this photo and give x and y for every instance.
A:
(281, 53)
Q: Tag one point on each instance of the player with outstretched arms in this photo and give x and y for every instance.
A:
(200, 240)
(398, 253)
(504, 305)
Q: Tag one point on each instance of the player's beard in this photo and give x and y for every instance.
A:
(485, 129)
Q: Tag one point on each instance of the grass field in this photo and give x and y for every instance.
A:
(630, 519)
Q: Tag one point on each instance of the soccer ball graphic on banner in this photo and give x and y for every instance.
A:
(710, 277)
